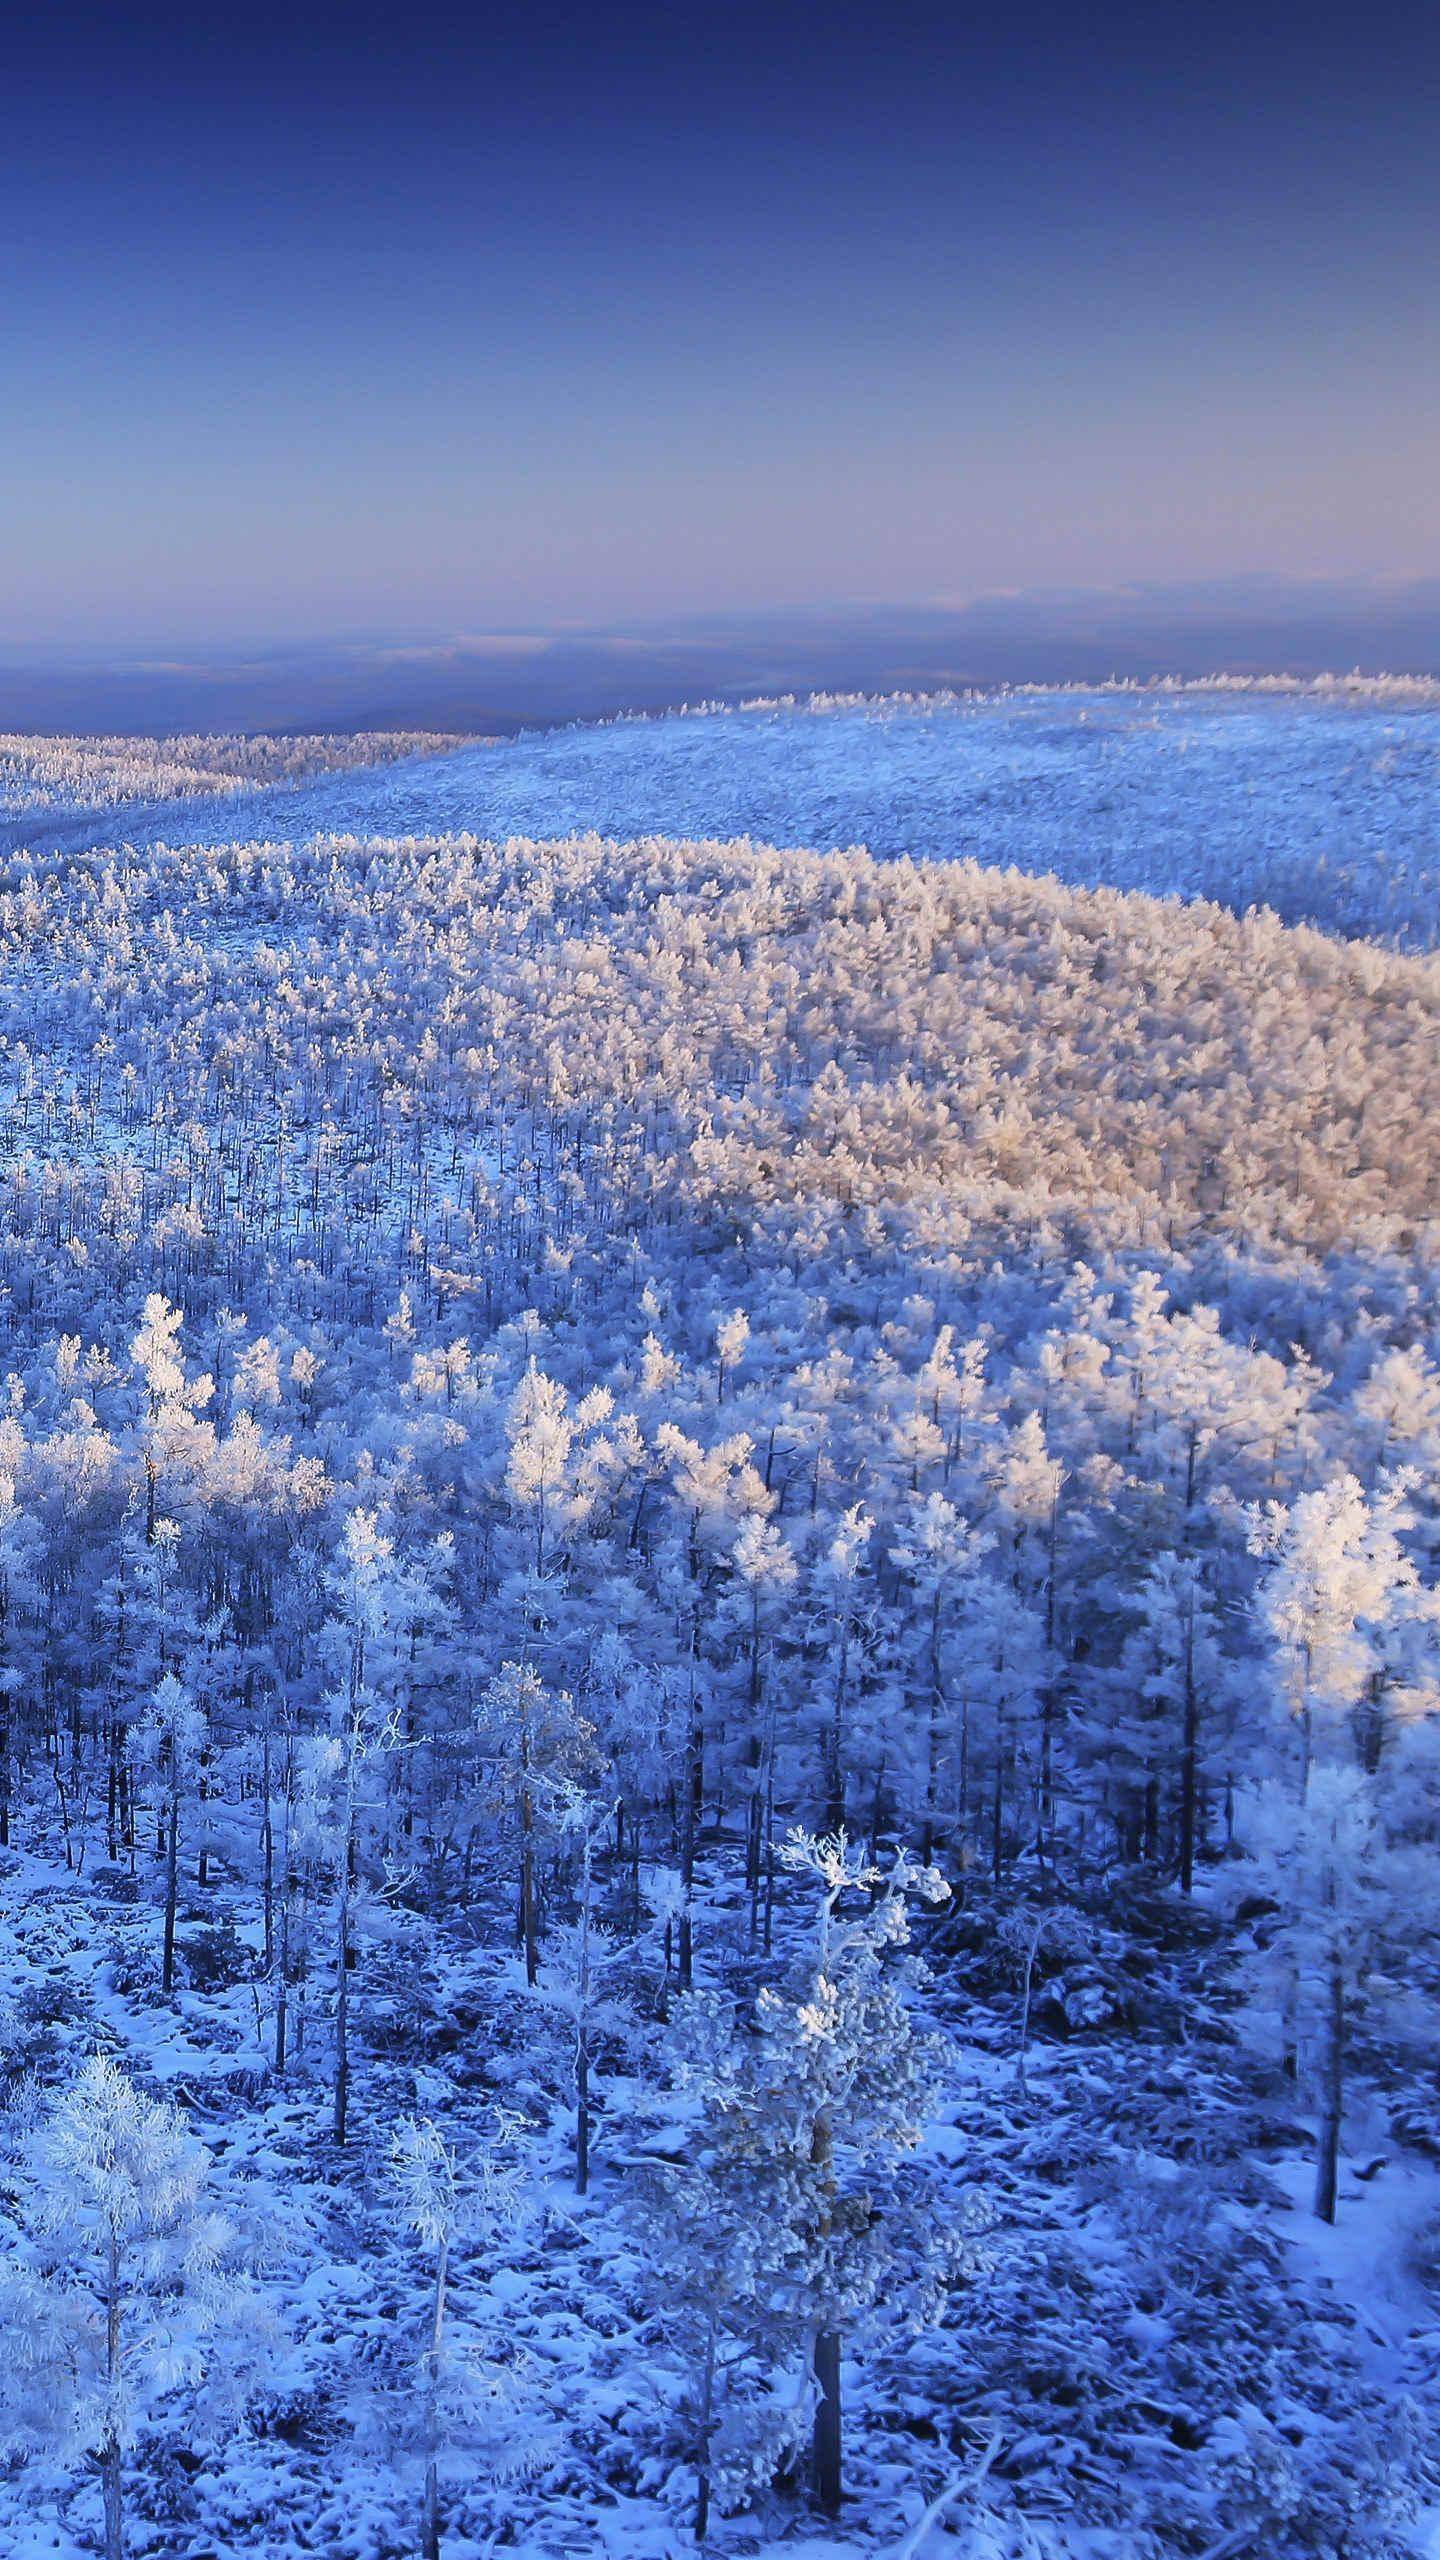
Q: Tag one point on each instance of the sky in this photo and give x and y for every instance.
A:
(411, 322)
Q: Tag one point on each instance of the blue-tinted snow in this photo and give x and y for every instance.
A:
(1327, 810)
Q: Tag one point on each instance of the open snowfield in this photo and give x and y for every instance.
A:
(1322, 805)
(532, 1373)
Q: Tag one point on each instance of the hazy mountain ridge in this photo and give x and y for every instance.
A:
(499, 680)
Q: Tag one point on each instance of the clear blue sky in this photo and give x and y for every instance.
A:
(419, 321)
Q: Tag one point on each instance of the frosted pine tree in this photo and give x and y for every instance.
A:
(113, 2297)
(850, 2082)
(583, 1957)
(702, 2224)
(424, 2178)
(444, 2205)
(1338, 1586)
(792, 2215)
(381, 1604)
(732, 1333)
(1351, 1630)
(535, 1743)
(173, 1435)
(167, 1746)
(1340, 1891)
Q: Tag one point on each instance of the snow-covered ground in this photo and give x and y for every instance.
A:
(1324, 806)
(1154, 2328)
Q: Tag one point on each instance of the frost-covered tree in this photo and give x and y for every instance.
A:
(535, 1743)
(379, 1605)
(442, 2204)
(168, 1745)
(804, 2115)
(1341, 1890)
(1339, 1600)
(114, 2297)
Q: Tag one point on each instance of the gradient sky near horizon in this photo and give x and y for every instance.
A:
(483, 320)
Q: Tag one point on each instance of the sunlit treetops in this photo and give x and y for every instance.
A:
(713, 1033)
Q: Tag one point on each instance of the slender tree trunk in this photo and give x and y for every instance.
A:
(755, 1826)
(5, 1736)
(826, 2442)
(582, 2110)
(267, 1824)
(835, 1738)
(1031, 1953)
(282, 1988)
(689, 1816)
(1189, 1762)
(582, 2037)
(754, 1835)
(997, 1820)
(114, 1784)
(707, 2423)
(825, 2433)
(1049, 1704)
(1332, 2098)
(528, 1929)
(110, 2448)
(877, 1807)
(114, 2503)
(432, 2418)
(342, 2010)
(172, 1888)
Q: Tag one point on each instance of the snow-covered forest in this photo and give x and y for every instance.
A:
(45, 781)
(1317, 802)
(719, 1703)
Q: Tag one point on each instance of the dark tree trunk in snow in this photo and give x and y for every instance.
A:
(267, 1827)
(825, 2447)
(582, 2111)
(707, 2424)
(110, 2447)
(172, 1882)
(689, 1824)
(529, 1929)
(1189, 1764)
(282, 1994)
(834, 1754)
(114, 2510)
(432, 2413)
(1332, 2100)
(342, 2019)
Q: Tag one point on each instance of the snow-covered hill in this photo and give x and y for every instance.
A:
(594, 1438)
(1323, 804)
(57, 790)
(529, 1372)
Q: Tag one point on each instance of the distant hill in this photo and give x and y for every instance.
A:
(503, 680)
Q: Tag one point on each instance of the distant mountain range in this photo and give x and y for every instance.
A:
(499, 681)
